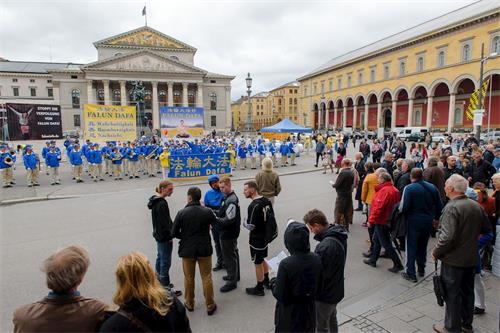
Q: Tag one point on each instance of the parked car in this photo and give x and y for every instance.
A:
(73, 134)
(405, 132)
(493, 135)
(438, 137)
(371, 134)
(416, 137)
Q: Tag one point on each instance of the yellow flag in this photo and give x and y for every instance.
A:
(474, 100)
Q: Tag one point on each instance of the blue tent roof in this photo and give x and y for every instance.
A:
(286, 126)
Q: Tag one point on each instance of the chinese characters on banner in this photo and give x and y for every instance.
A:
(34, 121)
(181, 122)
(109, 122)
(199, 165)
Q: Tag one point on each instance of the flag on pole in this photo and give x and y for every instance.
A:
(144, 11)
(474, 99)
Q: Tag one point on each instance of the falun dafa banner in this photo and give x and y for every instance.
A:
(197, 166)
(109, 122)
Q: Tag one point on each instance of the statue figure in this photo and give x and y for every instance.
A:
(138, 92)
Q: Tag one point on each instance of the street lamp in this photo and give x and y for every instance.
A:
(477, 128)
(249, 126)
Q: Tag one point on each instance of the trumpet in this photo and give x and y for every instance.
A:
(8, 160)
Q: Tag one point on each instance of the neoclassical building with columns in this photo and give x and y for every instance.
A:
(164, 65)
(422, 76)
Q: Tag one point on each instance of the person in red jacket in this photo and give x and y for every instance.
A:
(386, 197)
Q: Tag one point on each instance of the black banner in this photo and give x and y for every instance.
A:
(34, 121)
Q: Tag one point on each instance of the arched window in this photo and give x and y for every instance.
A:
(459, 116)
(402, 68)
(75, 98)
(466, 52)
(420, 64)
(116, 97)
(441, 59)
(100, 96)
(213, 101)
(495, 45)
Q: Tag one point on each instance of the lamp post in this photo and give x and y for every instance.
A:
(249, 126)
(477, 128)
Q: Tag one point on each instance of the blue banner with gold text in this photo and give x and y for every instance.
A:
(199, 165)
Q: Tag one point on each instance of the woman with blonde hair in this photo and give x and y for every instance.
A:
(144, 305)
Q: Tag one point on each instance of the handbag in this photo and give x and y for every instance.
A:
(438, 286)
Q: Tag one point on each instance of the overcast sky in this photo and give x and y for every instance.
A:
(276, 41)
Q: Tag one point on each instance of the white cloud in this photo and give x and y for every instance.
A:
(276, 41)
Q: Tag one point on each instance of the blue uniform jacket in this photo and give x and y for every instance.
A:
(213, 198)
(52, 159)
(45, 150)
(242, 151)
(114, 155)
(2, 159)
(95, 157)
(30, 161)
(75, 157)
(284, 149)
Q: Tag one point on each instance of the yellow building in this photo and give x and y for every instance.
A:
(285, 103)
(422, 76)
(236, 113)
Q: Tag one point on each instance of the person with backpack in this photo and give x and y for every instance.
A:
(332, 250)
(420, 205)
(260, 213)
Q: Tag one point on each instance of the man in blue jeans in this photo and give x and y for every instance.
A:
(162, 232)
(421, 205)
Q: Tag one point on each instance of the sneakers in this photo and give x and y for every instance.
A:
(227, 287)
(409, 278)
(478, 311)
(255, 291)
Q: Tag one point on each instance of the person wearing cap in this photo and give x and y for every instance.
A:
(106, 152)
(251, 148)
(95, 160)
(45, 150)
(52, 159)
(242, 155)
(76, 160)
(32, 164)
(124, 151)
(85, 154)
(164, 161)
(213, 200)
(133, 161)
(116, 160)
(284, 150)
(6, 163)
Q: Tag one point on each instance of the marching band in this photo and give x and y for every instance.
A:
(147, 155)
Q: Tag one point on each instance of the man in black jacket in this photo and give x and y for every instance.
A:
(229, 221)
(451, 167)
(256, 223)
(403, 178)
(192, 227)
(332, 252)
(480, 170)
(162, 231)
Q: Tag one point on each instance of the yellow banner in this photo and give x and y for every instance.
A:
(109, 122)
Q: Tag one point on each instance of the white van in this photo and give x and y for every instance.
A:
(405, 132)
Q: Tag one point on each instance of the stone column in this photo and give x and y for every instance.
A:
(185, 94)
(90, 93)
(344, 118)
(199, 96)
(367, 107)
(451, 112)
(379, 115)
(393, 114)
(327, 118)
(320, 114)
(410, 112)
(354, 117)
(123, 93)
(155, 105)
(428, 122)
(335, 110)
(105, 84)
(170, 93)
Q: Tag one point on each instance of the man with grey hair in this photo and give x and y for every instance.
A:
(402, 179)
(64, 309)
(461, 222)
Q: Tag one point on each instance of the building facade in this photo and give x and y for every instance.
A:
(270, 107)
(422, 76)
(163, 64)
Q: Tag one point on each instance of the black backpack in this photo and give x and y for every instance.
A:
(270, 220)
(397, 223)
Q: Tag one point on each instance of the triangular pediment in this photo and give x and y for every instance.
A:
(144, 37)
(143, 60)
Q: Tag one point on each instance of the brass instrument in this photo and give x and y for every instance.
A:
(12, 152)
(8, 160)
(152, 153)
(117, 157)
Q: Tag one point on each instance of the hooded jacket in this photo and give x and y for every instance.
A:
(332, 250)
(296, 283)
(162, 222)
